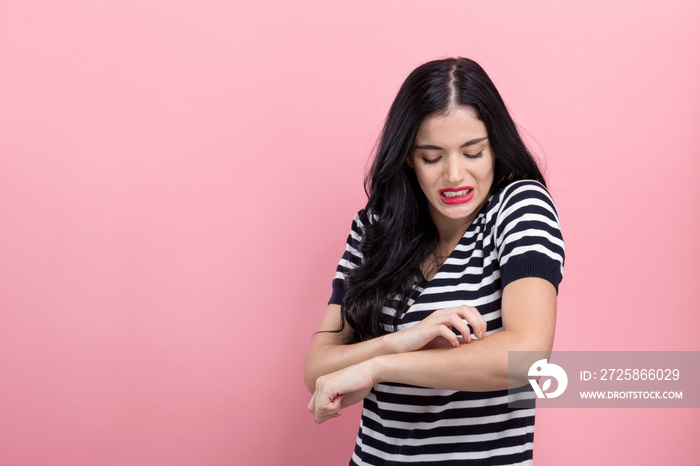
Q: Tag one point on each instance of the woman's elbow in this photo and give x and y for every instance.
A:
(310, 373)
(524, 354)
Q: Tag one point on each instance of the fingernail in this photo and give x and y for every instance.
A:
(316, 422)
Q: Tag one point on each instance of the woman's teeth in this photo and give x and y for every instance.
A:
(456, 193)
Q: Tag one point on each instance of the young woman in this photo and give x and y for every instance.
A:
(454, 261)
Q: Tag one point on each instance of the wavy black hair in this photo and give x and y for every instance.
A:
(401, 234)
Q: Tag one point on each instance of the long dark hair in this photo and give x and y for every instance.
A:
(400, 234)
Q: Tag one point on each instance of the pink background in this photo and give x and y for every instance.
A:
(177, 179)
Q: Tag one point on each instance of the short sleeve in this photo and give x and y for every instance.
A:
(528, 239)
(352, 257)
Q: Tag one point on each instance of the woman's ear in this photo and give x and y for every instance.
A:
(409, 161)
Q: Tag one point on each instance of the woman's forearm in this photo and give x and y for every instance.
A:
(329, 357)
(328, 354)
(479, 366)
(529, 317)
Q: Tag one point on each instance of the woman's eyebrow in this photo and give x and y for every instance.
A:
(468, 143)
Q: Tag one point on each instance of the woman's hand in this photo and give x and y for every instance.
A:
(340, 389)
(436, 330)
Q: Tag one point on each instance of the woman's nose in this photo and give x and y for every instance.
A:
(453, 169)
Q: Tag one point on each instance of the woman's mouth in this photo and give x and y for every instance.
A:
(456, 195)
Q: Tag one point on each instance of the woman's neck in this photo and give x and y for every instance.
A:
(451, 232)
(448, 241)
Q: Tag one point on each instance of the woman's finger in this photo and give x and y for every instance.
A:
(448, 335)
(475, 320)
(461, 325)
(324, 410)
(320, 420)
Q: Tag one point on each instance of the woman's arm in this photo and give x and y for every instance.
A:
(529, 317)
(528, 310)
(329, 353)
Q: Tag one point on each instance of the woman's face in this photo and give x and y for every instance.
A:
(454, 165)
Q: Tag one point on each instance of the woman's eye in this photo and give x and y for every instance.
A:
(475, 156)
(430, 161)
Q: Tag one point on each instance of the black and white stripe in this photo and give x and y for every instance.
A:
(515, 235)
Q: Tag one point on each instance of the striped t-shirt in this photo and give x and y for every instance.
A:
(515, 235)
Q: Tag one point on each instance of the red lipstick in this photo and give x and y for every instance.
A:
(465, 195)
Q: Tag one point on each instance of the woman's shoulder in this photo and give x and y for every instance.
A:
(522, 191)
(364, 217)
(520, 197)
(523, 188)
